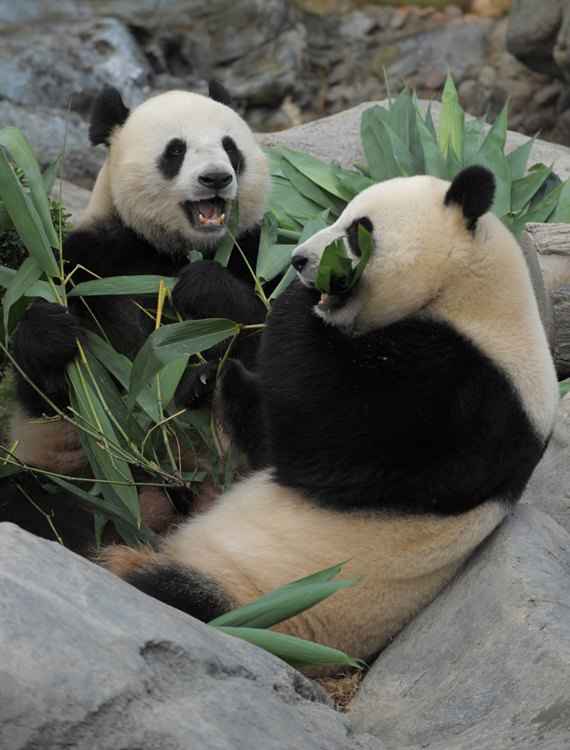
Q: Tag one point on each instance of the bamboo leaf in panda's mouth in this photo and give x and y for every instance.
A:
(337, 273)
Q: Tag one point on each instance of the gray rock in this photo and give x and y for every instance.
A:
(52, 132)
(531, 36)
(265, 75)
(487, 665)
(74, 198)
(89, 663)
(549, 486)
(65, 64)
(455, 47)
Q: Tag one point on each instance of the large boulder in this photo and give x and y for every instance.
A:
(541, 39)
(66, 63)
(88, 662)
(487, 665)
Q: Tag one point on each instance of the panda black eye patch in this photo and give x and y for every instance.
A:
(234, 154)
(352, 234)
(172, 158)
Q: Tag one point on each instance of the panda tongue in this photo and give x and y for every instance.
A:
(209, 213)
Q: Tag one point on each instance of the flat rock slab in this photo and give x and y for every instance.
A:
(487, 665)
(89, 663)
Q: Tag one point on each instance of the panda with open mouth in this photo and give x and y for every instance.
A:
(403, 420)
(179, 167)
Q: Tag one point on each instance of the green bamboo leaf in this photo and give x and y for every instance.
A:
(525, 188)
(319, 172)
(473, 137)
(353, 183)
(276, 262)
(335, 269)
(562, 212)
(50, 173)
(130, 285)
(310, 189)
(224, 249)
(25, 217)
(435, 164)
(169, 377)
(403, 114)
(172, 342)
(8, 469)
(280, 606)
(377, 145)
(451, 122)
(286, 201)
(496, 138)
(267, 239)
(85, 401)
(120, 367)
(518, 159)
(283, 284)
(14, 141)
(295, 651)
(28, 273)
(96, 503)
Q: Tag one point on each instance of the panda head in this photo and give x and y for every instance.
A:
(426, 233)
(177, 166)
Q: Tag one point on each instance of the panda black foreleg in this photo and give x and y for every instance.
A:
(243, 413)
(44, 343)
(205, 289)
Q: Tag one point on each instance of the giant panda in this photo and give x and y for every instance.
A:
(177, 167)
(403, 421)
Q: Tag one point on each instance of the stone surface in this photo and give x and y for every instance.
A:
(65, 64)
(532, 36)
(89, 663)
(549, 486)
(487, 665)
(52, 132)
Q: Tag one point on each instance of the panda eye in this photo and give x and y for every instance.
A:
(234, 154)
(352, 234)
(175, 148)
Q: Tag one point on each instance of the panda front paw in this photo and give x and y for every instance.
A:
(44, 343)
(196, 386)
(201, 290)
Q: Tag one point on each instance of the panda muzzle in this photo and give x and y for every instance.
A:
(206, 214)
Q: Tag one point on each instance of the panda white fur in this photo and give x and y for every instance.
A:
(177, 166)
(403, 421)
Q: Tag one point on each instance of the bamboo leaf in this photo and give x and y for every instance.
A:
(105, 466)
(309, 189)
(25, 217)
(130, 285)
(518, 159)
(525, 188)
(14, 141)
(224, 249)
(295, 651)
(562, 211)
(28, 273)
(175, 341)
(451, 122)
(377, 145)
(319, 172)
(435, 164)
(267, 240)
(280, 606)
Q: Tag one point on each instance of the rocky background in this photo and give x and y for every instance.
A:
(286, 61)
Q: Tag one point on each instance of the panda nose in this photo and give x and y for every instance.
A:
(299, 262)
(215, 180)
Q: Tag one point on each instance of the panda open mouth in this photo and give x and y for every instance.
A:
(208, 215)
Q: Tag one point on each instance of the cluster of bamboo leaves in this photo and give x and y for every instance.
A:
(402, 140)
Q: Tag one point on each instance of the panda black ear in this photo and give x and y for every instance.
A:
(474, 190)
(219, 93)
(108, 112)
